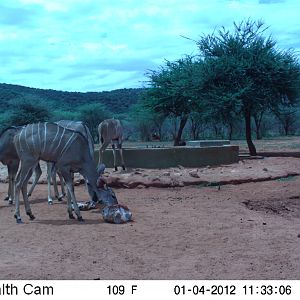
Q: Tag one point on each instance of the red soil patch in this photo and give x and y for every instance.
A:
(244, 231)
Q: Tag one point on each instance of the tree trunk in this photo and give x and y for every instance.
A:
(177, 139)
(286, 127)
(160, 132)
(216, 129)
(252, 149)
(258, 136)
(193, 127)
(230, 131)
(194, 132)
(257, 121)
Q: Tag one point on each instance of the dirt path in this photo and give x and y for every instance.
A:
(245, 231)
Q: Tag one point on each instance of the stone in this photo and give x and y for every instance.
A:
(194, 173)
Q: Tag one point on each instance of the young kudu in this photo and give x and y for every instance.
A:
(110, 131)
(67, 149)
(10, 158)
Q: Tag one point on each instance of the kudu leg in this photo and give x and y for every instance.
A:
(26, 202)
(69, 204)
(69, 183)
(49, 177)
(12, 171)
(115, 157)
(58, 196)
(62, 187)
(54, 181)
(10, 186)
(37, 175)
(69, 198)
(121, 155)
(22, 179)
(101, 152)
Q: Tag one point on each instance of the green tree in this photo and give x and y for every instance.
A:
(287, 118)
(245, 72)
(25, 111)
(173, 91)
(141, 120)
(60, 114)
(93, 114)
(258, 120)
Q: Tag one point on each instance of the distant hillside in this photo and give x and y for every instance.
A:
(116, 101)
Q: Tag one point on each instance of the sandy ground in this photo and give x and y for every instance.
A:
(235, 231)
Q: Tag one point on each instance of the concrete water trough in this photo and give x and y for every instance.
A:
(207, 143)
(156, 158)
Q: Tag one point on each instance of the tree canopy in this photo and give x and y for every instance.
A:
(238, 74)
(246, 73)
(23, 111)
(174, 89)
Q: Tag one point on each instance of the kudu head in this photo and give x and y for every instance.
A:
(98, 190)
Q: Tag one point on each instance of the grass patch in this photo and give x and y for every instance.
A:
(208, 184)
(288, 178)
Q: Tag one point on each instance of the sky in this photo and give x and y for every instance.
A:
(96, 45)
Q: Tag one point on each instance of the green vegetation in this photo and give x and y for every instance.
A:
(240, 85)
(24, 110)
(93, 114)
(58, 105)
(238, 75)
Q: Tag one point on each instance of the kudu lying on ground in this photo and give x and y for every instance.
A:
(67, 149)
(110, 131)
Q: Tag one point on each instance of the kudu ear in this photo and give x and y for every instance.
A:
(100, 169)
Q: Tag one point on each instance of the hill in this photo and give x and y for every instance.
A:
(116, 101)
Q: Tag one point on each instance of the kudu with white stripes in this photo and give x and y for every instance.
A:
(67, 149)
(10, 158)
(51, 172)
(111, 131)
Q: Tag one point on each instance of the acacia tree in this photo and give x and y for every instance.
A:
(173, 91)
(287, 118)
(245, 72)
(258, 117)
(141, 119)
(196, 122)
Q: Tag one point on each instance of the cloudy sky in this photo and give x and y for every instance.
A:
(96, 45)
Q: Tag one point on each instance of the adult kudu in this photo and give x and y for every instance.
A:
(111, 131)
(51, 172)
(10, 158)
(67, 149)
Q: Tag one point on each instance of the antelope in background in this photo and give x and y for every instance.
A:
(111, 131)
(67, 149)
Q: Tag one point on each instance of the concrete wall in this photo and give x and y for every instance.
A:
(207, 143)
(154, 158)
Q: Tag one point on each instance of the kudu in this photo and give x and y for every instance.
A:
(110, 131)
(51, 175)
(51, 172)
(10, 158)
(67, 149)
